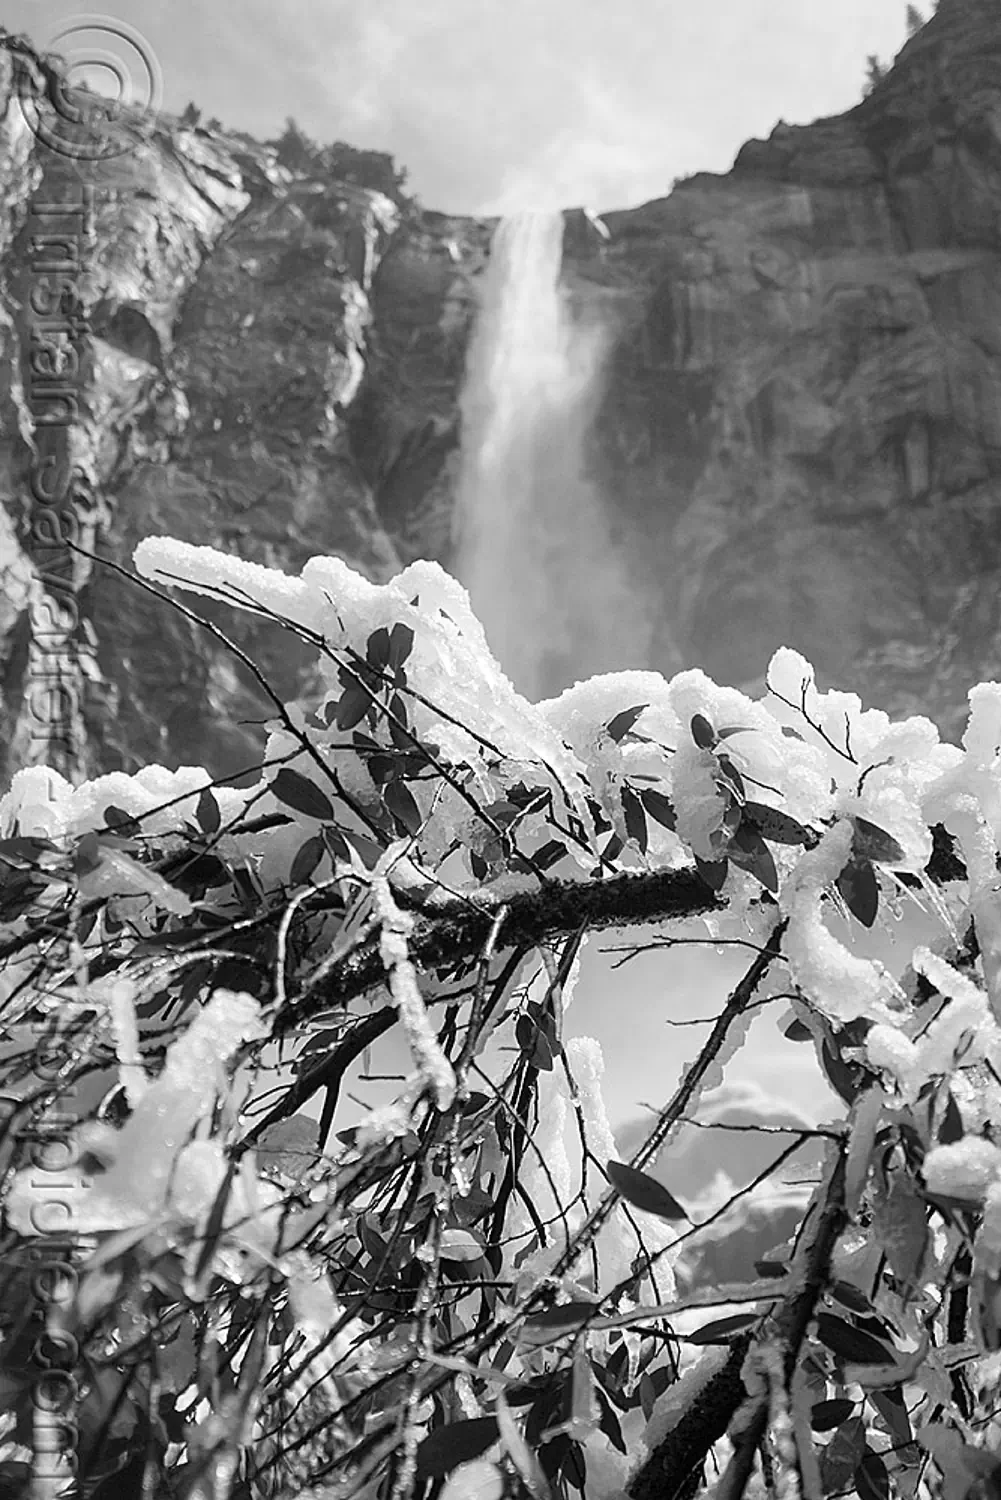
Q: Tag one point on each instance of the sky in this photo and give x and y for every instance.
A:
(503, 104)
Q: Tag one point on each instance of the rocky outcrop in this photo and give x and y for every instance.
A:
(799, 438)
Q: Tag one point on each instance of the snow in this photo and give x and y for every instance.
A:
(840, 984)
(134, 1189)
(962, 1169)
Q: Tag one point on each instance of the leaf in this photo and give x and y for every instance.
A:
(749, 851)
(901, 1228)
(731, 778)
(703, 733)
(377, 648)
(207, 812)
(87, 855)
(401, 643)
(460, 1244)
(555, 1322)
(643, 1192)
(609, 1422)
(712, 872)
(828, 1414)
(620, 726)
(352, 706)
(659, 807)
(871, 1479)
(457, 1443)
(851, 1343)
(122, 822)
(548, 854)
(842, 1455)
(518, 1451)
(860, 889)
(872, 843)
(839, 1074)
(306, 860)
(797, 1032)
(773, 824)
(297, 791)
(402, 804)
(722, 1330)
(951, 1128)
(635, 818)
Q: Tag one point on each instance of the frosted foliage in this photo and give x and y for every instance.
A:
(134, 1188)
(842, 985)
(450, 654)
(962, 1169)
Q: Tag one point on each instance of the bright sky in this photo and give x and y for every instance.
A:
(491, 101)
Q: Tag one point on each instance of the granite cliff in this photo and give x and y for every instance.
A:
(799, 435)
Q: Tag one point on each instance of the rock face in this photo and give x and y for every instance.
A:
(799, 437)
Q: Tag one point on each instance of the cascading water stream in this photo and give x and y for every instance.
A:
(534, 547)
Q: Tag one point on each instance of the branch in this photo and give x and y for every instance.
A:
(792, 1323)
(674, 1469)
(460, 929)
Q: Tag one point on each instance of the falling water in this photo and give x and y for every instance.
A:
(535, 549)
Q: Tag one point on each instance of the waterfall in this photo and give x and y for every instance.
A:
(534, 546)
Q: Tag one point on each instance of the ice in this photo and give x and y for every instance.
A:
(118, 875)
(433, 1066)
(125, 1027)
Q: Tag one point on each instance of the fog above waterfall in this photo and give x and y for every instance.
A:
(536, 546)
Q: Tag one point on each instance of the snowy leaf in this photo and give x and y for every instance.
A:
(297, 791)
(620, 726)
(643, 1192)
